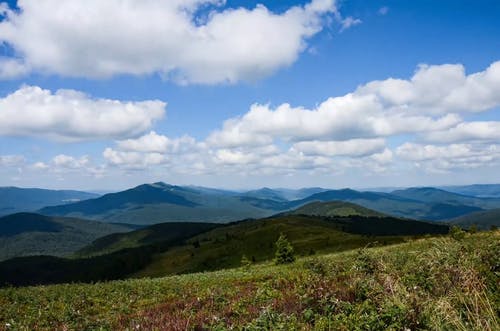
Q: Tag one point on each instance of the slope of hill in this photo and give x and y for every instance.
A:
(484, 220)
(335, 208)
(222, 246)
(429, 284)
(154, 234)
(393, 204)
(26, 234)
(15, 199)
(159, 202)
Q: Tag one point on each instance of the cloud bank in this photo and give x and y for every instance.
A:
(188, 41)
(69, 115)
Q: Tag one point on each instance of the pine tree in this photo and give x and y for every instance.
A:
(284, 251)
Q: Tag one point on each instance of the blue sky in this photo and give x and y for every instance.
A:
(198, 90)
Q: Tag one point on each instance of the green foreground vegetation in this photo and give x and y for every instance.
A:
(441, 283)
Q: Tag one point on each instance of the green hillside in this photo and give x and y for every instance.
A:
(483, 219)
(224, 247)
(214, 246)
(158, 233)
(428, 284)
(25, 234)
(335, 208)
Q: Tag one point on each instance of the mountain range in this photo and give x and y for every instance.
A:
(15, 199)
(160, 202)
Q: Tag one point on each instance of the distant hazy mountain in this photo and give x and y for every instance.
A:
(478, 190)
(434, 195)
(24, 234)
(395, 204)
(291, 194)
(484, 220)
(160, 202)
(15, 199)
(266, 193)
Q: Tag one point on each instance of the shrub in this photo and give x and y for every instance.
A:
(457, 233)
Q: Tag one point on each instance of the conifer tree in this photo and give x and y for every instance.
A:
(284, 251)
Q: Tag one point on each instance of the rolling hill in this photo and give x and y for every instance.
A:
(165, 249)
(154, 234)
(15, 199)
(223, 247)
(160, 202)
(429, 284)
(335, 208)
(484, 220)
(25, 234)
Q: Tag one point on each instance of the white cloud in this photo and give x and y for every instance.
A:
(339, 118)
(69, 162)
(93, 38)
(445, 158)
(349, 22)
(439, 89)
(11, 160)
(73, 116)
(430, 101)
(156, 143)
(12, 68)
(467, 131)
(354, 147)
(40, 166)
(132, 160)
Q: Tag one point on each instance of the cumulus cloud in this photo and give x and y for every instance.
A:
(73, 116)
(132, 160)
(439, 89)
(445, 158)
(12, 68)
(349, 131)
(157, 143)
(93, 38)
(354, 147)
(432, 100)
(69, 162)
(467, 131)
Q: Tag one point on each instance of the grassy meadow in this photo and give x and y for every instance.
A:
(440, 283)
